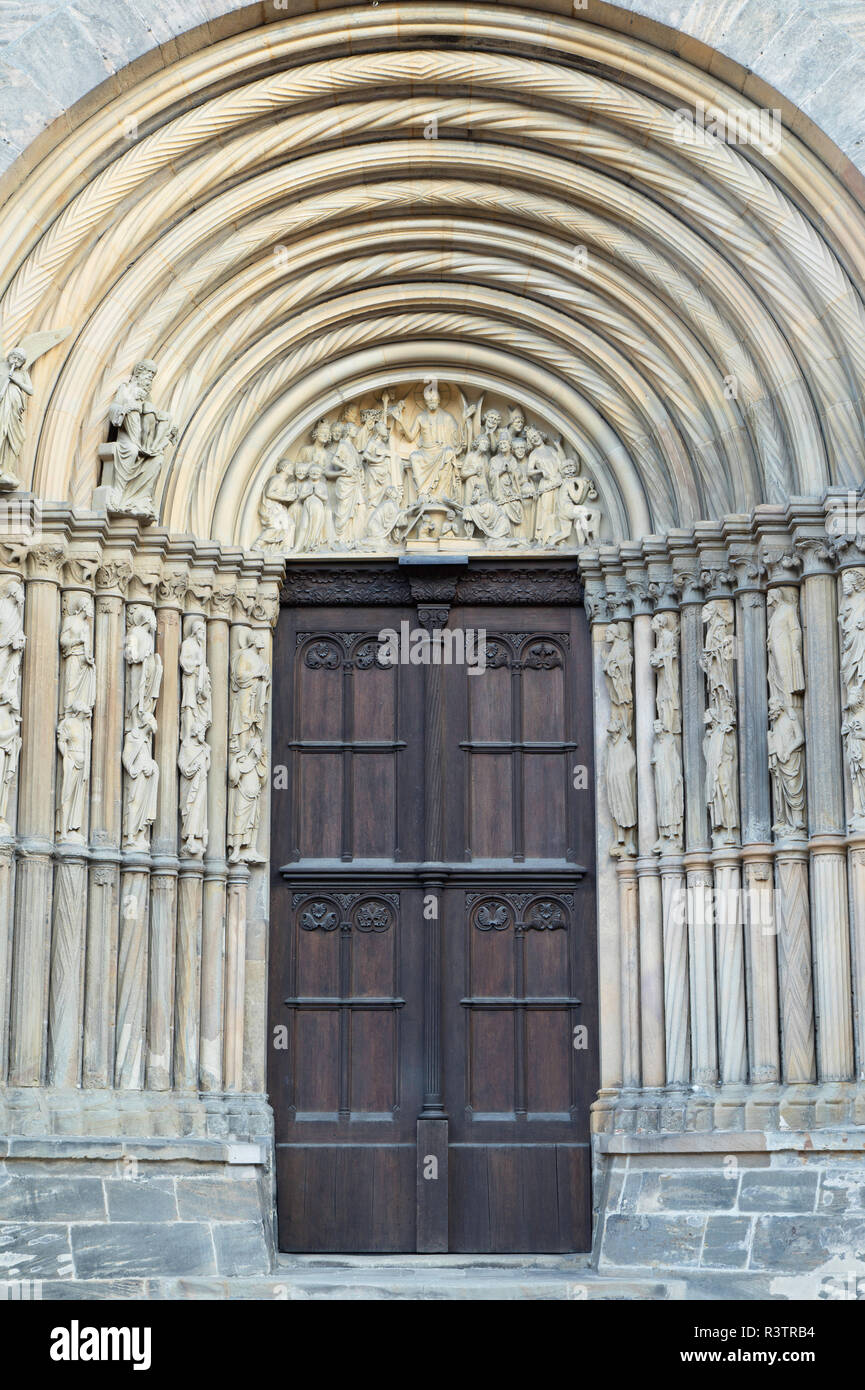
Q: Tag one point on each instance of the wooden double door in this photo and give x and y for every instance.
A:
(433, 968)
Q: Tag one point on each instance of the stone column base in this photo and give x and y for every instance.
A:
(785, 1206)
(89, 1192)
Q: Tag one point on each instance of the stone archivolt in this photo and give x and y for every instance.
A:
(421, 473)
(507, 265)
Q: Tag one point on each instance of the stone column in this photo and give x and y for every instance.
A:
(758, 903)
(12, 588)
(651, 941)
(106, 804)
(265, 613)
(670, 803)
(215, 861)
(74, 743)
(609, 945)
(249, 692)
(698, 867)
(191, 760)
(144, 680)
(620, 773)
(826, 820)
(170, 593)
(852, 621)
(786, 677)
(722, 798)
(33, 889)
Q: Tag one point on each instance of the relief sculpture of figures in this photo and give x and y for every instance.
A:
(247, 758)
(852, 623)
(429, 470)
(719, 741)
(12, 641)
(74, 729)
(667, 747)
(193, 759)
(143, 433)
(621, 770)
(786, 672)
(16, 388)
(143, 682)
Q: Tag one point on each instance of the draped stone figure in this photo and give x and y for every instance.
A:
(664, 660)
(544, 465)
(349, 510)
(16, 388)
(851, 620)
(667, 750)
(719, 741)
(12, 642)
(143, 682)
(621, 766)
(786, 739)
(193, 759)
(77, 697)
(247, 759)
(143, 435)
(277, 511)
(439, 436)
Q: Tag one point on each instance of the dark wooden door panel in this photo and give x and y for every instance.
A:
(518, 1198)
(433, 941)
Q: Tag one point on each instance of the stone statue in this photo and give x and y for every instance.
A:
(669, 788)
(349, 510)
(664, 660)
(488, 517)
(74, 729)
(621, 767)
(15, 390)
(719, 741)
(786, 741)
(143, 435)
(277, 511)
(433, 462)
(851, 620)
(667, 750)
(193, 759)
(143, 682)
(12, 642)
(247, 760)
(544, 466)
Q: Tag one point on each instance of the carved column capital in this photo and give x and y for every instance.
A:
(113, 575)
(171, 588)
(221, 599)
(45, 561)
(817, 554)
(783, 567)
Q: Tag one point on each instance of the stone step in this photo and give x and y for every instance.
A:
(296, 1282)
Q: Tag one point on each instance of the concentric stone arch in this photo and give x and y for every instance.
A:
(254, 212)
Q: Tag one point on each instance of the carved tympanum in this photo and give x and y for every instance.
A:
(423, 472)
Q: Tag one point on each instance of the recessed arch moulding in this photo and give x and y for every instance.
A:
(518, 210)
